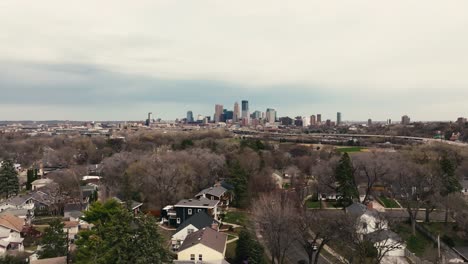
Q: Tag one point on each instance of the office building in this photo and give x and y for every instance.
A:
(256, 115)
(150, 119)
(245, 110)
(369, 122)
(236, 113)
(328, 122)
(218, 113)
(313, 121)
(405, 120)
(227, 115)
(305, 121)
(319, 119)
(270, 115)
(338, 118)
(190, 117)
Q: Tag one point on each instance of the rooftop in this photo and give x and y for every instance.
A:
(202, 203)
(217, 191)
(199, 220)
(207, 237)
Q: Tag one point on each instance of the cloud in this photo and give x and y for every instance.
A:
(364, 58)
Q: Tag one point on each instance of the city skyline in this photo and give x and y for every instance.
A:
(64, 61)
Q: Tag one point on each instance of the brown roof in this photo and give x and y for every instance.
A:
(208, 237)
(12, 222)
(70, 224)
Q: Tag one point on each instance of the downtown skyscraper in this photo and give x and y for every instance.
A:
(236, 113)
(218, 113)
(245, 110)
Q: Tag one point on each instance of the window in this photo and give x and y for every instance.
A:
(199, 210)
(200, 257)
(178, 220)
(212, 197)
(192, 256)
(190, 231)
(190, 211)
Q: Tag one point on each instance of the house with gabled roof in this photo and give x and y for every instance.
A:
(10, 233)
(216, 192)
(191, 225)
(206, 245)
(174, 215)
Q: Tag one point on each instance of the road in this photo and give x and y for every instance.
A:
(297, 253)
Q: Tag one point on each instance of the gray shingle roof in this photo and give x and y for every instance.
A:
(202, 202)
(199, 220)
(207, 237)
(217, 191)
(356, 209)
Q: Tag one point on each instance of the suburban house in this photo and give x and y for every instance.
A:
(25, 214)
(10, 234)
(206, 245)
(40, 183)
(218, 193)
(174, 215)
(71, 228)
(18, 202)
(386, 239)
(135, 206)
(368, 218)
(88, 192)
(73, 211)
(193, 224)
(372, 225)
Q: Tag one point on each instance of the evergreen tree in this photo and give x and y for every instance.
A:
(31, 176)
(239, 179)
(450, 182)
(248, 250)
(55, 241)
(9, 183)
(118, 237)
(344, 175)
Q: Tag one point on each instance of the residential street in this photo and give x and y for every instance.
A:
(297, 253)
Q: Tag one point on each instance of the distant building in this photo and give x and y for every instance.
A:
(305, 121)
(218, 113)
(236, 113)
(369, 122)
(227, 115)
(190, 117)
(298, 121)
(319, 119)
(405, 120)
(270, 115)
(328, 122)
(150, 119)
(256, 115)
(461, 120)
(286, 121)
(389, 121)
(245, 110)
(338, 118)
(313, 121)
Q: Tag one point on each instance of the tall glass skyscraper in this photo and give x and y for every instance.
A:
(245, 109)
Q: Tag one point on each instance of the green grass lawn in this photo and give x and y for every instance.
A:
(230, 237)
(448, 233)
(313, 204)
(419, 244)
(388, 203)
(350, 149)
(236, 217)
(231, 251)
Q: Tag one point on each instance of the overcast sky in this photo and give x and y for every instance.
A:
(118, 60)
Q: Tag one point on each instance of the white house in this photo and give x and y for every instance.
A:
(206, 245)
(40, 183)
(193, 224)
(388, 242)
(368, 219)
(10, 234)
(71, 228)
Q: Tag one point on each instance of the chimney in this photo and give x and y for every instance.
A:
(370, 206)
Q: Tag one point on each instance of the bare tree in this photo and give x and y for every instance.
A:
(276, 219)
